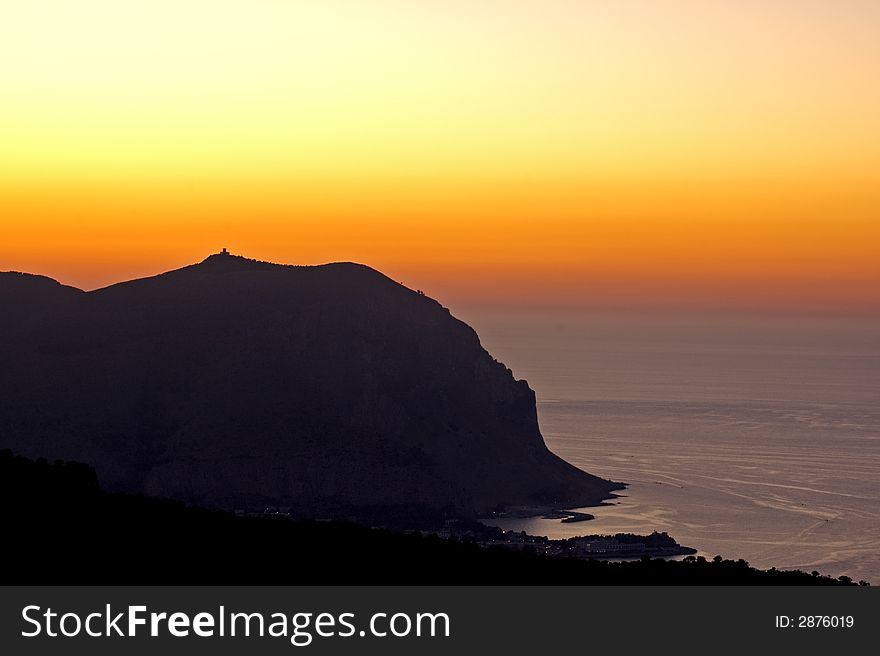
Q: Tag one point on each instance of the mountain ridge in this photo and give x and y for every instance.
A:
(234, 383)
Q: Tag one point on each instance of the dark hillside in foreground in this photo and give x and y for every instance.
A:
(60, 528)
(237, 384)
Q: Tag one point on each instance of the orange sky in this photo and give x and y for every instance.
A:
(681, 153)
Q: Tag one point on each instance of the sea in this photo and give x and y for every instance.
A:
(745, 436)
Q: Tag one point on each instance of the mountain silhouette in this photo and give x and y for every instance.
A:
(234, 383)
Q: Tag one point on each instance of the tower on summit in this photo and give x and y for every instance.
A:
(224, 252)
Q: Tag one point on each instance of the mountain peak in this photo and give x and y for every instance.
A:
(224, 261)
(224, 257)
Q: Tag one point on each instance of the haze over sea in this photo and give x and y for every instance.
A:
(752, 437)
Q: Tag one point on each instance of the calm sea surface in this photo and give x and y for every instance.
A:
(749, 437)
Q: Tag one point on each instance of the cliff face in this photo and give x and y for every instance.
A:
(236, 383)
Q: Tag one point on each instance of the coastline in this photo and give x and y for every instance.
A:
(612, 546)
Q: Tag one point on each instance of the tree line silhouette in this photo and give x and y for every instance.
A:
(60, 527)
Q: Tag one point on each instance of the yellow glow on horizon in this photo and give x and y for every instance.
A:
(705, 152)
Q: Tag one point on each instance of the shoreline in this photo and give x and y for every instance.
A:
(622, 546)
(565, 515)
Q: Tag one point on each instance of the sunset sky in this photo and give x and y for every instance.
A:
(680, 153)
